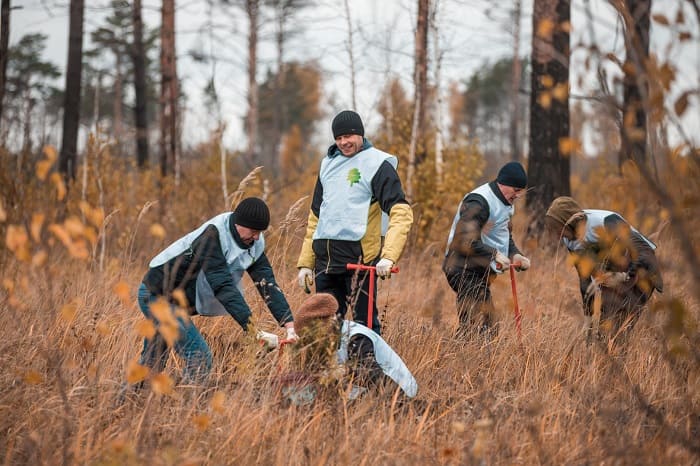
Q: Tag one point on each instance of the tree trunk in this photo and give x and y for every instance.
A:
(4, 43)
(252, 10)
(420, 78)
(515, 85)
(434, 20)
(351, 55)
(71, 106)
(633, 131)
(140, 115)
(168, 90)
(548, 168)
(117, 104)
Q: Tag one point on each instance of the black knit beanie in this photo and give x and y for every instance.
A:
(512, 174)
(253, 213)
(347, 122)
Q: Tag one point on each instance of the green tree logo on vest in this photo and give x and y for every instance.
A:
(354, 176)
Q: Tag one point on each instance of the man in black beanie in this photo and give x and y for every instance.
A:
(201, 272)
(480, 246)
(356, 185)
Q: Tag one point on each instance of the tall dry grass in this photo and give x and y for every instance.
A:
(71, 329)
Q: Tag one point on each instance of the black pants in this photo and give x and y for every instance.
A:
(350, 291)
(474, 303)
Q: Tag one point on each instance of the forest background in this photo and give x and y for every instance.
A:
(144, 134)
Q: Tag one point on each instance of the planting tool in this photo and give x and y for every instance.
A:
(370, 301)
(516, 308)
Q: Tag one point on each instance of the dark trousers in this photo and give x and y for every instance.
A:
(350, 290)
(474, 303)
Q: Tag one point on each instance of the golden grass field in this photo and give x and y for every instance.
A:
(71, 333)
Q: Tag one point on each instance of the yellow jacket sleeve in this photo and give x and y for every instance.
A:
(307, 258)
(400, 221)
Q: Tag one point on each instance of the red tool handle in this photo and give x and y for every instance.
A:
(370, 301)
(516, 308)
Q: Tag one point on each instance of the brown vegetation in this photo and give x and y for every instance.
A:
(71, 270)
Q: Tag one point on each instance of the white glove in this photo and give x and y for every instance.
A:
(384, 268)
(524, 261)
(613, 279)
(502, 260)
(270, 340)
(291, 334)
(306, 278)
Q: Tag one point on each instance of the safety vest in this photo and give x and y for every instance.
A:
(595, 220)
(495, 233)
(347, 193)
(391, 364)
(238, 260)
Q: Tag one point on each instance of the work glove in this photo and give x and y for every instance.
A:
(613, 279)
(270, 340)
(502, 261)
(306, 278)
(522, 260)
(384, 268)
(292, 335)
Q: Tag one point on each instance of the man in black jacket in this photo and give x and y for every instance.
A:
(200, 274)
(480, 246)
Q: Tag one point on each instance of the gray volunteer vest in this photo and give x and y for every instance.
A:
(347, 192)
(595, 220)
(495, 233)
(237, 258)
(392, 365)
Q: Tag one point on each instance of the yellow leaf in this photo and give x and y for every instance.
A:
(567, 145)
(561, 92)
(162, 384)
(170, 333)
(121, 289)
(42, 169)
(57, 180)
(74, 226)
(103, 329)
(16, 237)
(8, 284)
(180, 297)
(547, 81)
(201, 422)
(69, 311)
(565, 26)
(160, 309)
(146, 329)
(79, 250)
(218, 401)
(39, 259)
(157, 231)
(50, 153)
(33, 377)
(37, 224)
(3, 214)
(60, 233)
(545, 28)
(135, 372)
(545, 100)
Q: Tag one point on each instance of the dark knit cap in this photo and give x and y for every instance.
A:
(347, 122)
(512, 174)
(253, 213)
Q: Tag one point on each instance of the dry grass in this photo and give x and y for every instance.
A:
(70, 332)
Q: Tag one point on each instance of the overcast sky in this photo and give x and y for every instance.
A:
(471, 32)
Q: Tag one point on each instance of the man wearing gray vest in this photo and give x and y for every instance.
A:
(202, 272)
(355, 184)
(480, 246)
(615, 262)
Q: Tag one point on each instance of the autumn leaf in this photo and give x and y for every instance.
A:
(121, 289)
(50, 153)
(201, 422)
(69, 311)
(33, 377)
(162, 384)
(157, 231)
(37, 224)
(146, 329)
(39, 258)
(3, 213)
(681, 103)
(42, 169)
(661, 19)
(57, 180)
(135, 372)
(218, 401)
(545, 28)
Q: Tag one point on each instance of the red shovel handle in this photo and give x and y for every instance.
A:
(370, 299)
